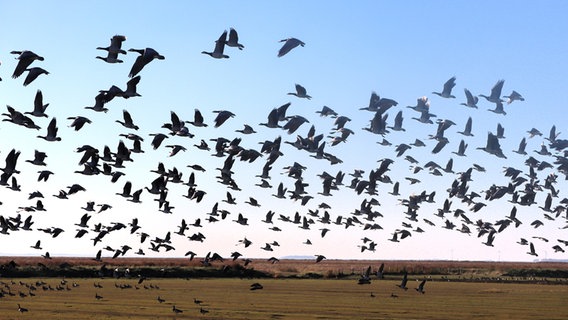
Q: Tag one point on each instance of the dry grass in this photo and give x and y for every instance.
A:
(301, 267)
(287, 299)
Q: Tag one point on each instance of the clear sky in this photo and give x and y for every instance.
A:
(402, 50)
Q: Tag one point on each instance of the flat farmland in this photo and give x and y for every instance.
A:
(291, 289)
(279, 299)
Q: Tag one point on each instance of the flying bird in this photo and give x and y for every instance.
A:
(25, 59)
(217, 53)
(234, 39)
(289, 44)
(146, 56)
(447, 91)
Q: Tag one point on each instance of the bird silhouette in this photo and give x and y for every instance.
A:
(217, 53)
(447, 91)
(289, 44)
(234, 39)
(146, 56)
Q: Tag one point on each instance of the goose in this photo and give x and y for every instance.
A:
(84, 220)
(398, 122)
(157, 140)
(111, 57)
(272, 119)
(500, 131)
(327, 111)
(78, 122)
(33, 73)
(128, 122)
(126, 190)
(19, 118)
(289, 44)
(467, 130)
(44, 175)
(495, 95)
(319, 258)
(256, 286)
(115, 45)
(131, 88)
(25, 59)
(447, 91)
(300, 92)
(402, 284)
(39, 106)
(22, 309)
(37, 246)
(39, 158)
(175, 149)
(514, 96)
(532, 251)
(420, 287)
(99, 103)
(461, 149)
(146, 56)
(253, 202)
(471, 99)
(294, 123)
(75, 188)
(222, 116)
(51, 131)
(534, 132)
(365, 277)
(234, 39)
(493, 147)
(378, 104)
(552, 135)
(490, 239)
(198, 120)
(217, 53)
(246, 130)
(498, 108)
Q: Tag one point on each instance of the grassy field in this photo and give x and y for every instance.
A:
(280, 299)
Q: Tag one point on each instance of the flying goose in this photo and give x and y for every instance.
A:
(217, 53)
(146, 56)
(289, 44)
(447, 91)
(234, 39)
(25, 59)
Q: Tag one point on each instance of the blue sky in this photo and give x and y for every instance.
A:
(400, 50)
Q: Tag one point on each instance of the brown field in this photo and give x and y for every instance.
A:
(281, 299)
(455, 290)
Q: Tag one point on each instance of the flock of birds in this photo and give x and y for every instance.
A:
(522, 189)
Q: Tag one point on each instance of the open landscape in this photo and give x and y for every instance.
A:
(283, 160)
(287, 289)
